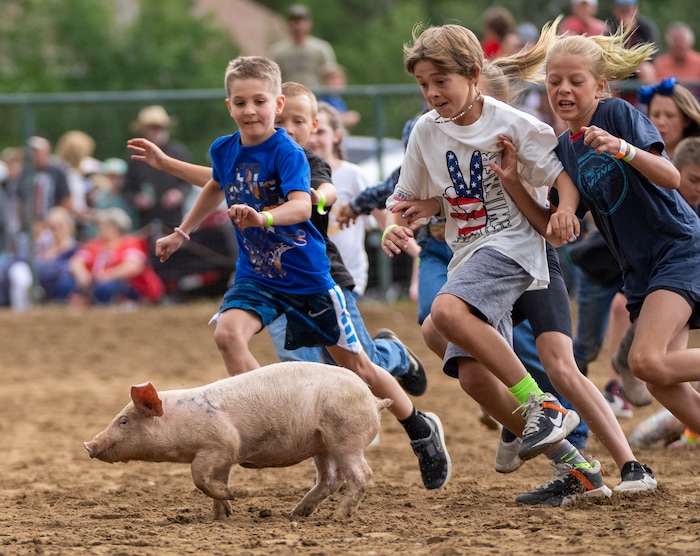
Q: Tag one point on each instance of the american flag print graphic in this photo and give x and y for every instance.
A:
(468, 203)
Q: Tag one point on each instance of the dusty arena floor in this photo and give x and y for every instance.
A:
(66, 372)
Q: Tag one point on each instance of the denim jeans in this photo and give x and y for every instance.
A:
(388, 354)
(593, 300)
(524, 346)
(432, 273)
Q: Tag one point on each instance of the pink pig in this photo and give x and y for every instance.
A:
(275, 416)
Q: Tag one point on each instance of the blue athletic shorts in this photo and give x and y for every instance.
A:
(318, 319)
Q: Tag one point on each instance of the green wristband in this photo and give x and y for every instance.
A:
(269, 218)
(321, 205)
(386, 231)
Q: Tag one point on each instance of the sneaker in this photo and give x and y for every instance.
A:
(433, 459)
(662, 425)
(569, 483)
(615, 397)
(636, 477)
(414, 381)
(546, 423)
(507, 455)
(635, 389)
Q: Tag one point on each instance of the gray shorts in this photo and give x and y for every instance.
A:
(490, 283)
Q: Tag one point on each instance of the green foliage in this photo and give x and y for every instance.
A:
(53, 46)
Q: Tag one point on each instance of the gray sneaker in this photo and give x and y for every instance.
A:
(634, 388)
(569, 483)
(546, 424)
(433, 459)
(508, 455)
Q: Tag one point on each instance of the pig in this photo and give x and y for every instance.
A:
(274, 416)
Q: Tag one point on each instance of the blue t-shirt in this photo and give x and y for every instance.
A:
(291, 259)
(653, 233)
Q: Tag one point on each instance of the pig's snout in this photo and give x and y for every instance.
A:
(90, 447)
(96, 451)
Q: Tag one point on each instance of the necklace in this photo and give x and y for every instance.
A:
(440, 120)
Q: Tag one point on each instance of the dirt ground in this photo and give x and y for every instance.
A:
(65, 372)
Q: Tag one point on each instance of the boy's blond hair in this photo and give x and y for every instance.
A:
(291, 89)
(254, 67)
(687, 152)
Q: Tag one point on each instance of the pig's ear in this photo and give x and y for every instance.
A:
(146, 399)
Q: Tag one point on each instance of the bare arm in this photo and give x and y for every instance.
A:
(567, 225)
(296, 209)
(206, 203)
(150, 153)
(651, 165)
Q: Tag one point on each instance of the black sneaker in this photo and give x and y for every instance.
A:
(569, 483)
(433, 459)
(414, 381)
(546, 423)
(636, 477)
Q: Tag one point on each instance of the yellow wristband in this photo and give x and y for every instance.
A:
(321, 205)
(268, 215)
(386, 231)
(631, 153)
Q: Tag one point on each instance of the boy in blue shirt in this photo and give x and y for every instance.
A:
(282, 265)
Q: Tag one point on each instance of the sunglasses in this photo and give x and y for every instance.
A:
(663, 87)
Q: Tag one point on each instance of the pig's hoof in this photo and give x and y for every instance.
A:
(302, 511)
(222, 509)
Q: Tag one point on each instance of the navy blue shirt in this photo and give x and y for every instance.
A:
(653, 233)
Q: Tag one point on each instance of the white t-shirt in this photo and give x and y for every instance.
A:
(349, 181)
(450, 162)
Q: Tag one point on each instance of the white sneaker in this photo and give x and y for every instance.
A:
(507, 455)
(636, 477)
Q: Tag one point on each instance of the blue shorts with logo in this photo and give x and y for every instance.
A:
(319, 319)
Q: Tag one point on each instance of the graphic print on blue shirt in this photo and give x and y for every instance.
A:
(603, 181)
(289, 258)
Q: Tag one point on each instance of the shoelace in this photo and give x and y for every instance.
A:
(561, 470)
(532, 408)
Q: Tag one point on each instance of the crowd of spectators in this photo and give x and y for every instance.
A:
(43, 186)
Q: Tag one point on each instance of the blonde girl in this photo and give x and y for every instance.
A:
(613, 154)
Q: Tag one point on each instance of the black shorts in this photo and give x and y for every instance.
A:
(549, 309)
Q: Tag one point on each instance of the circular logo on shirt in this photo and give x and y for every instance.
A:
(603, 181)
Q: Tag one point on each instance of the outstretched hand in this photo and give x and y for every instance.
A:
(147, 151)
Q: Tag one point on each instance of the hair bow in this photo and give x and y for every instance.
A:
(663, 87)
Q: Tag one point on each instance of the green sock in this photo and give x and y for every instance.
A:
(524, 388)
(565, 452)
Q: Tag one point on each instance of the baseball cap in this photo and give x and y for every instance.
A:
(298, 11)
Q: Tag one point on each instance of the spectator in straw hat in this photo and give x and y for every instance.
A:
(157, 197)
